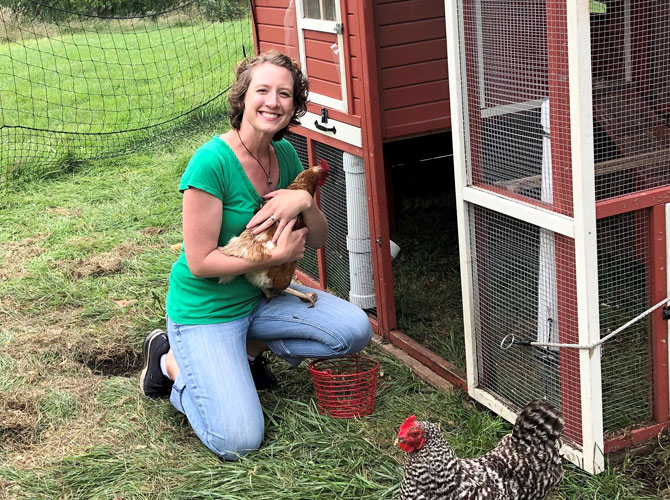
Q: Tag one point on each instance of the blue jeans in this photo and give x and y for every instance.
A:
(214, 387)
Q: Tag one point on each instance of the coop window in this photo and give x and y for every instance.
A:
(320, 9)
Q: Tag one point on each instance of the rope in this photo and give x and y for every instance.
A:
(509, 340)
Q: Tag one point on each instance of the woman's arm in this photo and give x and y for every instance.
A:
(202, 214)
(285, 205)
(317, 224)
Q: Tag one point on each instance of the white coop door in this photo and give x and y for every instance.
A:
(320, 40)
(520, 88)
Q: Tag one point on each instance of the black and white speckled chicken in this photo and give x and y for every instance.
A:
(525, 465)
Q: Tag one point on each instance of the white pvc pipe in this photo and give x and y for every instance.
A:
(362, 291)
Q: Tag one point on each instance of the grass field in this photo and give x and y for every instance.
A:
(85, 261)
(94, 89)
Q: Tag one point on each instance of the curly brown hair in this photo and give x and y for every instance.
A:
(243, 78)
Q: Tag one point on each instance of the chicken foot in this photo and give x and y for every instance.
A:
(309, 297)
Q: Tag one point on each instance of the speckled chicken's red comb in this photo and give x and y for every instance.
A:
(409, 421)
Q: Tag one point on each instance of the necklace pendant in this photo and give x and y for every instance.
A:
(269, 181)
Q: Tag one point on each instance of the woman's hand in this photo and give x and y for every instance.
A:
(290, 244)
(281, 207)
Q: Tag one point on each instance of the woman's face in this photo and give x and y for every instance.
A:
(268, 102)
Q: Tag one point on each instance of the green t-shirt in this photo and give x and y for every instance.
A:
(214, 168)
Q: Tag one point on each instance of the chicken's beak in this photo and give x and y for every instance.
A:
(396, 442)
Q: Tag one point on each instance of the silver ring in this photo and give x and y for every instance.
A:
(272, 218)
(506, 344)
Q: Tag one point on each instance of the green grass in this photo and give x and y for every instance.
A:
(85, 262)
(426, 274)
(71, 95)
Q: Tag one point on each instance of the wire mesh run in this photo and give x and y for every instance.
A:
(309, 263)
(345, 387)
(624, 277)
(519, 273)
(519, 143)
(631, 96)
(518, 122)
(334, 205)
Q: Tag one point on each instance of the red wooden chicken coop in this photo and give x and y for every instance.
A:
(378, 78)
(560, 119)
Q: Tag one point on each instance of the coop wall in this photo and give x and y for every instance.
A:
(275, 25)
(411, 61)
(412, 58)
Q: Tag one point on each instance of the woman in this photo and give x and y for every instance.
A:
(212, 362)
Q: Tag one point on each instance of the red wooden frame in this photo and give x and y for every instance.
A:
(659, 326)
(653, 200)
(375, 176)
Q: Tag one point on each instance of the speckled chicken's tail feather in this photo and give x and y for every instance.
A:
(539, 422)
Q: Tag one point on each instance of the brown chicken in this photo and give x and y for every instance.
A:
(258, 247)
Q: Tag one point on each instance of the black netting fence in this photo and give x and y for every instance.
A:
(79, 86)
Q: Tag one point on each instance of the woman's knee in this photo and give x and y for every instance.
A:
(234, 444)
(359, 331)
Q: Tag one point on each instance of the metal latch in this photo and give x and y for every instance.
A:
(324, 119)
(339, 28)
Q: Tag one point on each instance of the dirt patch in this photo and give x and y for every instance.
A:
(65, 340)
(119, 360)
(38, 439)
(101, 264)
(17, 254)
(64, 211)
(652, 465)
(19, 416)
(153, 230)
(98, 265)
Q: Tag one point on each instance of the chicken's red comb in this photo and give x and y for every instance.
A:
(409, 422)
(324, 171)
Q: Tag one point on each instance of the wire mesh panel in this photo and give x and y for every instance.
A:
(77, 85)
(333, 200)
(520, 106)
(631, 95)
(334, 205)
(517, 294)
(510, 50)
(526, 135)
(623, 275)
(309, 263)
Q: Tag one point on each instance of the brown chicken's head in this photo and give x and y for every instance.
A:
(323, 170)
(411, 436)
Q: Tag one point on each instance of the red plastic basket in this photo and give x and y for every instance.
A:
(345, 387)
